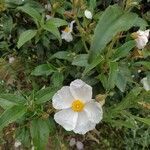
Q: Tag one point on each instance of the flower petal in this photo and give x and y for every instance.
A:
(81, 90)
(66, 118)
(71, 25)
(141, 42)
(63, 98)
(94, 112)
(67, 36)
(88, 14)
(146, 84)
(83, 124)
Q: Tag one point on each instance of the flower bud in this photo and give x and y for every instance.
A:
(72, 142)
(88, 14)
(79, 145)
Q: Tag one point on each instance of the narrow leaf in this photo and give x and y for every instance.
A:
(112, 21)
(112, 74)
(9, 100)
(11, 115)
(39, 132)
(44, 69)
(80, 60)
(25, 37)
(45, 95)
(31, 12)
(123, 50)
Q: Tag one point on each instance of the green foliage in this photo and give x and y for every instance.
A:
(44, 69)
(9, 100)
(25, 37)
(39, 133)
(11, 115)
(112, 21)
(36, 62)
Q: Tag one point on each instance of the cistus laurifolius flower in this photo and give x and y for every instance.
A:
(78, 112)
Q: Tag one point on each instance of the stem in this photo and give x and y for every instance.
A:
(83, 41)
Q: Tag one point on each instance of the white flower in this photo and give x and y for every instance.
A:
(17, 143)
(78, 111)
(48, 17)
(11, 60)
(88, 14)
(66, 34)
(79, 145)
(48, 7)
(146, 83)
(141, 38)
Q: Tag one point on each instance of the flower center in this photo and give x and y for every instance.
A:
(67, 29)
(77, 105)
(134, 35)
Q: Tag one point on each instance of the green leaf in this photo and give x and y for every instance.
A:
(141, 23)
(121, 81)
(31, 12)
(123, 50)
(144, 120)
(25, 37)
(57, 22)
(45, 95)
(23, 135)
(103, 79)
(80, 60)
(91, 66)
(51, 27)
(62, 55)
(7, 24)
(57, 79)
(44, 69)
(9, 100)
(92, 4)
(112, 21)
(112, 74)
(121, 123)
(146, 64)
(129, 101)
(39, 132)
(11, 115)
(51, 125)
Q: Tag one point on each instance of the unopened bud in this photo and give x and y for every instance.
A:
(79, 145)
(56, 5)
(101, 98)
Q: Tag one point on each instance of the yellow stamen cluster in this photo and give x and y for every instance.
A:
(77, 105)
(67, 29)
(134, 35)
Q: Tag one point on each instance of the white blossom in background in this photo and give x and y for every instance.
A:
(66, 34)
(48, 17)
(17, 144)
(141, 38)
(146, 84)
(78, 112)
(88, 14)
(48, 7)
(11, 60)
(79, 145)
(72, 142)
(32, 148)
